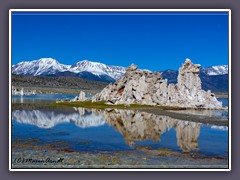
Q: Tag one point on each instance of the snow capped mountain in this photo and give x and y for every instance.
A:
(97, 68)
(211, 76)
(115, 72)
(39, 67)
(49, 66)
(216, 70)
(85, 65)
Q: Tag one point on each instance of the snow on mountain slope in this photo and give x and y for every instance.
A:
(48, 66)
(216, 70)
(85, 65)
(89, 70)
(98, 69)
(42, 66)
(115, 72)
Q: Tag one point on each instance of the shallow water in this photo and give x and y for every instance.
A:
(118, 130)
(225, 101)
(220, 114)
(43, 98)
(38, 98)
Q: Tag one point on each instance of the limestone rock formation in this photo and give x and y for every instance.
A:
(145, 87)
(81, 97)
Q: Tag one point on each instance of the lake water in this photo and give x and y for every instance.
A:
(118, 130)
(41, 98)
(110, 131)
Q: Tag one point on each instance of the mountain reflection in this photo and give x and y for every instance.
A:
(48, 119)
(133, 125)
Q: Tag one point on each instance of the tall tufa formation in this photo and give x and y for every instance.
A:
(145, 87)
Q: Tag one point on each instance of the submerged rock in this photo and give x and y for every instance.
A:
(145, 87)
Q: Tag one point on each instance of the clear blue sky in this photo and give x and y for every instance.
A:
(154, 41)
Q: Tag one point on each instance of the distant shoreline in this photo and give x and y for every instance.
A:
(66, 85)
(221, 94)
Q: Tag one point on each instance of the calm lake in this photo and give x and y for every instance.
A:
(41, 98)
(116, 130)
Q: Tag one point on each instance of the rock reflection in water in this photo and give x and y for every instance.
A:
(133, 125)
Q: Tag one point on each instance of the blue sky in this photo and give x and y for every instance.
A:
(154, 41)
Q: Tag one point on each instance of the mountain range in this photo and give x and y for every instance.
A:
(214, 78)
(84, 69)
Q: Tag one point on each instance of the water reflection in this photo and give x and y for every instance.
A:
(216, 113)
(134, 126)
(48, 119)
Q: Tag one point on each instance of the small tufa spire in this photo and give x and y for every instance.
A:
(188, 60)
(133, 67)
